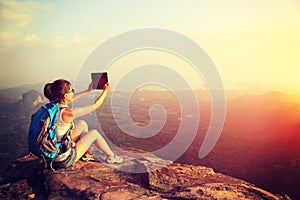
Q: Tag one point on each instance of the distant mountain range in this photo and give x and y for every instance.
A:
(259, 142)
(15, 93)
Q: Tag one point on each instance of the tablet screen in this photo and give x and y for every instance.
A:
(99, 80)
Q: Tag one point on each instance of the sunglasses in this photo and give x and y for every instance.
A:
(72, 91)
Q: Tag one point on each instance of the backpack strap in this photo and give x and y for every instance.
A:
(65, 137)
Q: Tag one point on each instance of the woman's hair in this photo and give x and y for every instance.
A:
(55, 91)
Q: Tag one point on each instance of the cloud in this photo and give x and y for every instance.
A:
(30, 38)
(60, 41)
(8, 38)
(16, 16)
(16, 38)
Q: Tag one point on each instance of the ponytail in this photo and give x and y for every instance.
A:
(47, 92)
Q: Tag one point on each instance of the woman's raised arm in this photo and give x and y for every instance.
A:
(82, 93)
(81, 111)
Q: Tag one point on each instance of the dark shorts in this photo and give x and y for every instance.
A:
(69, 161)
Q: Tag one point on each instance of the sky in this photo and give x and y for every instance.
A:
(255, 45)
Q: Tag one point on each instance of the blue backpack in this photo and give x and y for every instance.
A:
(42, 140)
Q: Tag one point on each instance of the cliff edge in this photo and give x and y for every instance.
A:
(158, 179)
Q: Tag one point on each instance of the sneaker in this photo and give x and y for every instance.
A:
(114, 159)
(87, 157)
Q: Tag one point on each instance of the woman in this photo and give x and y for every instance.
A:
(61, 92)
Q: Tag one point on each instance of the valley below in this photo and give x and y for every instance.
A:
(259, 142)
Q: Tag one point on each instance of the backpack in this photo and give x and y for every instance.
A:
(42, 140)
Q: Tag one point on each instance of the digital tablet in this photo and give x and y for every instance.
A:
(99, 80)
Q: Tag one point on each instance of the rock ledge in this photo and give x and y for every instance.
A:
(26, 179)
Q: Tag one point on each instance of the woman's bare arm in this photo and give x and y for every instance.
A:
(72, 113)
(84, 110)
(81, 111)
(82, 93)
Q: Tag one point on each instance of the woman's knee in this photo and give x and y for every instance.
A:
(82, 126)
(90, 137)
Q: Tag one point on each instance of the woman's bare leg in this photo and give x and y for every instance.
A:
(89, 138)
(80, 129)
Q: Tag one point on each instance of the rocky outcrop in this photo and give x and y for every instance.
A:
(157, 179)
(32, 99)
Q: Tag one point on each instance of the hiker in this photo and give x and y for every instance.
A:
(61, 92)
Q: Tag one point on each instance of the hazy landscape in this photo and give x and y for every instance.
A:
(259, 142)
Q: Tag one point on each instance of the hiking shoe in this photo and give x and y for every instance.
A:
(114, 159)
(87, 157)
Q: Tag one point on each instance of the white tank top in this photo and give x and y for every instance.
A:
(61, 126)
